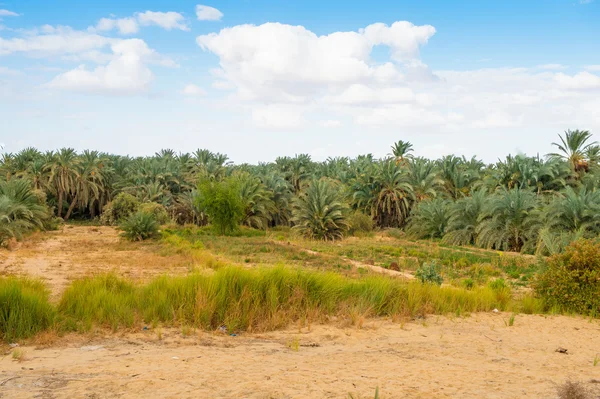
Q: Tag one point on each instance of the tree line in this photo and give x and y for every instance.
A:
(520, 203)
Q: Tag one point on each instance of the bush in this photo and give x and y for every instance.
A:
(429, 273)
(158, 210)
(121, 207)
(222, 202)
(360, 223)
(571, 280)
(24, 308)
(140, 226)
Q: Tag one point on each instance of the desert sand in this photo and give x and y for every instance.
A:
(477, 356)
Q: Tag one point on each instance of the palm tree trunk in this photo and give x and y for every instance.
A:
(59, 204)
(71, 207)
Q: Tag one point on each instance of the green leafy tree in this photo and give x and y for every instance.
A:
(430, 219)
(222, 202)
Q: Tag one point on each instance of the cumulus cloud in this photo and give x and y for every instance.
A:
(206, 13)
(192, 90)
(125, 26)
(7, 13)
(285, 74)
(131, 25)
(126, 74)
(166, 20)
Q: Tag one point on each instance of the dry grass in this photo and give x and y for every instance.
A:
(573, 390)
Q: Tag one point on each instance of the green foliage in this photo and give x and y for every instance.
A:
(21, 209)
(506, 220)
(140, 226)
(222, 202)
(360, 223)
(571, 280)
(430, 219)
(321, 212)
(24, 308)
(121, 207)
(158, 210)
(429, 272)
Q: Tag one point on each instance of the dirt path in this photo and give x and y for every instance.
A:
(475, 357)
(58, 257)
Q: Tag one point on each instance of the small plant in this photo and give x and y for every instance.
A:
(186, 330)
(429, 273)
(468, 283)
(159, 211)
(511, 320)
(596, 360)
(18, 355)
(140, 226)
(294, 344)
(573, 390)
(360, 224)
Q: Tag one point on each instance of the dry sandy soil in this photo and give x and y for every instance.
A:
(472, 357)
(440, 357)
(59, 257)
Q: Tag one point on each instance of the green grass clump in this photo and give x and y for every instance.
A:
(105, 300)
(24, 308)
(263, 299)
(140, 226)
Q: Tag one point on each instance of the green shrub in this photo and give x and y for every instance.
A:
(121, 207)
(140, 226)
(429, 272)
(468, 283)
(222, 202)
(360, 223)
(24, 308)
(158, 210)
(571, 280)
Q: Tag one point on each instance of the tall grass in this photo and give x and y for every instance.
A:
(241, 299)
(24, 308)
(264, 299)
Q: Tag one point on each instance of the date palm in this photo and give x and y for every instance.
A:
(464, 218)
(401, 150)
(573, 147)
(63, 174)
(321, 212)
(430, 219)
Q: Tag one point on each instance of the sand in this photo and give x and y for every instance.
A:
(478, 356)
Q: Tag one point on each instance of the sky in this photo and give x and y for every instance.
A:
(263, 78)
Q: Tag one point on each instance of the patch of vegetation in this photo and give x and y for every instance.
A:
(429, 272)
(140, 226)
(571, 280)
(24, 308)
(573, 390)
(121, 207)
(222, 202)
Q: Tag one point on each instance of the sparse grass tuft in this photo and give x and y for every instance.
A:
(19, 355)
(573, 390)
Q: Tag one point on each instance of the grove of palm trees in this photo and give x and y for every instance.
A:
(534, 205)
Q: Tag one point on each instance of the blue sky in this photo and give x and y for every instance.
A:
(258, 79)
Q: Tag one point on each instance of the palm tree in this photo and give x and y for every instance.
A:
(21, 210)
(464, 218)
(423, 176)
(63, 175)
(505, 222)
(401, 149)
(574, 211)
(573, 147)
(259, 205)
(430, 219)
(320, 212)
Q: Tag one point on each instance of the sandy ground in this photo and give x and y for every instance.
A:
(58, 257)
(473, 357)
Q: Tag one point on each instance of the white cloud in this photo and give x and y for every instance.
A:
(125, 74)
(585, 1)
(166, 20)
(7, 13)
(125, 26)
(8, 71)
(206, 13)
(581, 81)
(54, 41)
(193, 91)
(593, 68)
